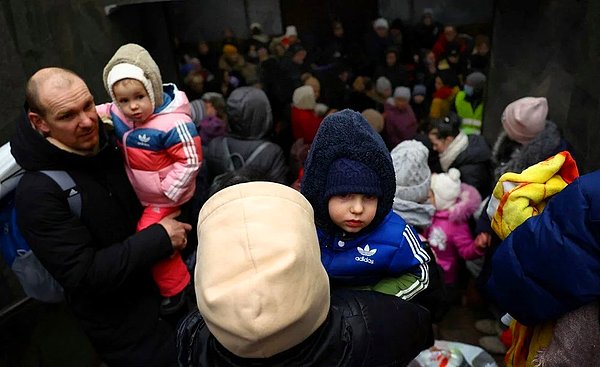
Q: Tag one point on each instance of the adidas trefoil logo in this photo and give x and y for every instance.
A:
(366, 253)
(143, 139)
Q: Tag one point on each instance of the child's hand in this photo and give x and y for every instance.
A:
(483, 240)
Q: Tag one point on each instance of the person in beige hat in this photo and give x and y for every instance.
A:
(264, 297)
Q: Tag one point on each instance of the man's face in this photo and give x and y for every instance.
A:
(427, 20)
(390, 58)
(338, 30)
(450, 33)
(382, 32)
(299, 57)
(70, 114)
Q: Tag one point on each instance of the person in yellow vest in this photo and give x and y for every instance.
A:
(468, 104)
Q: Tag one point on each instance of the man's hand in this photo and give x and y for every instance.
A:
(176, 230)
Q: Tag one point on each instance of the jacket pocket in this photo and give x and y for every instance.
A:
(147, 186)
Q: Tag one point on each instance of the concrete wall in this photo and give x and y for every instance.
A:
(205, 20)
(551, 49)
(75, 34)
(446, 11)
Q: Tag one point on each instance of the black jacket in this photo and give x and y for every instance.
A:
(250, 120)
(474, 164)
(103, 265)
(363, 328)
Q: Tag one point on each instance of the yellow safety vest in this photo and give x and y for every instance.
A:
(471, 120)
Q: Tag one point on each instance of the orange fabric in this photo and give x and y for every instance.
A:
(170, 274)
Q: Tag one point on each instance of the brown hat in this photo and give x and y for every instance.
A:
(260, 284)
(132, 61)
(374, 118)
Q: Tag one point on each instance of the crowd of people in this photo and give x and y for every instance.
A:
(402, 75)
(318, 210)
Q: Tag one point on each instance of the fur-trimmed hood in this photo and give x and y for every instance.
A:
(510, 156)
(346, 134)
(467, 203)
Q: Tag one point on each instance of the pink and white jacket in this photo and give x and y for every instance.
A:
(449, 234)
(162, 155)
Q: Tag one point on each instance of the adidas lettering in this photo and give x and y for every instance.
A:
(364, 259)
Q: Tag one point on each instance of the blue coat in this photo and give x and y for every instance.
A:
(550, 264)
(389, 250)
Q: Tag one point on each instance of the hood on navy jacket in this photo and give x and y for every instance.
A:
(249, 113)
(346, 134)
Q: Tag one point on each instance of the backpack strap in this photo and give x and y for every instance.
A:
(229, 163)
(256, 152)
(66, 183)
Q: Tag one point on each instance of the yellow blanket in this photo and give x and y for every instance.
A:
(516, 197)
(522, 195)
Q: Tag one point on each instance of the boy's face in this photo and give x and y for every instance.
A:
(352, 212)
(133, 100)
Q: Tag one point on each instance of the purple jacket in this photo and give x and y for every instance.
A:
(450, 236)
(400, 125)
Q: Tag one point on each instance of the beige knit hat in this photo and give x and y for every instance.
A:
(304, 98)
(260, 284)
(524, 118)
(132, 61)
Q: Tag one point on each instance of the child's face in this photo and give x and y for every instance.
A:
(209, 109)
(352, 212)
(418, 99)
(133, 100)
(431, 197)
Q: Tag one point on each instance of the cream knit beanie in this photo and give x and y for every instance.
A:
(446, 188)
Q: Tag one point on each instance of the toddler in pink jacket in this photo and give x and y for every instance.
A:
(161, 148)
(449, 234)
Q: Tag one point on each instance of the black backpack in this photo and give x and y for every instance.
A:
(33, 276)
(234, 162)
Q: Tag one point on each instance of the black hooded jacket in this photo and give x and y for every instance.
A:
(363, 328)
(475, 166)
(250, 121)
(103, 265)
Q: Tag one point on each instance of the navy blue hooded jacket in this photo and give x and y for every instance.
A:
(550, 264)
(387, 247)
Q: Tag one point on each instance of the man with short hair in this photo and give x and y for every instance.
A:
(102, 264)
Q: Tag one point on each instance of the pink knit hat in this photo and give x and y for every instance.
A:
(524, 118)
